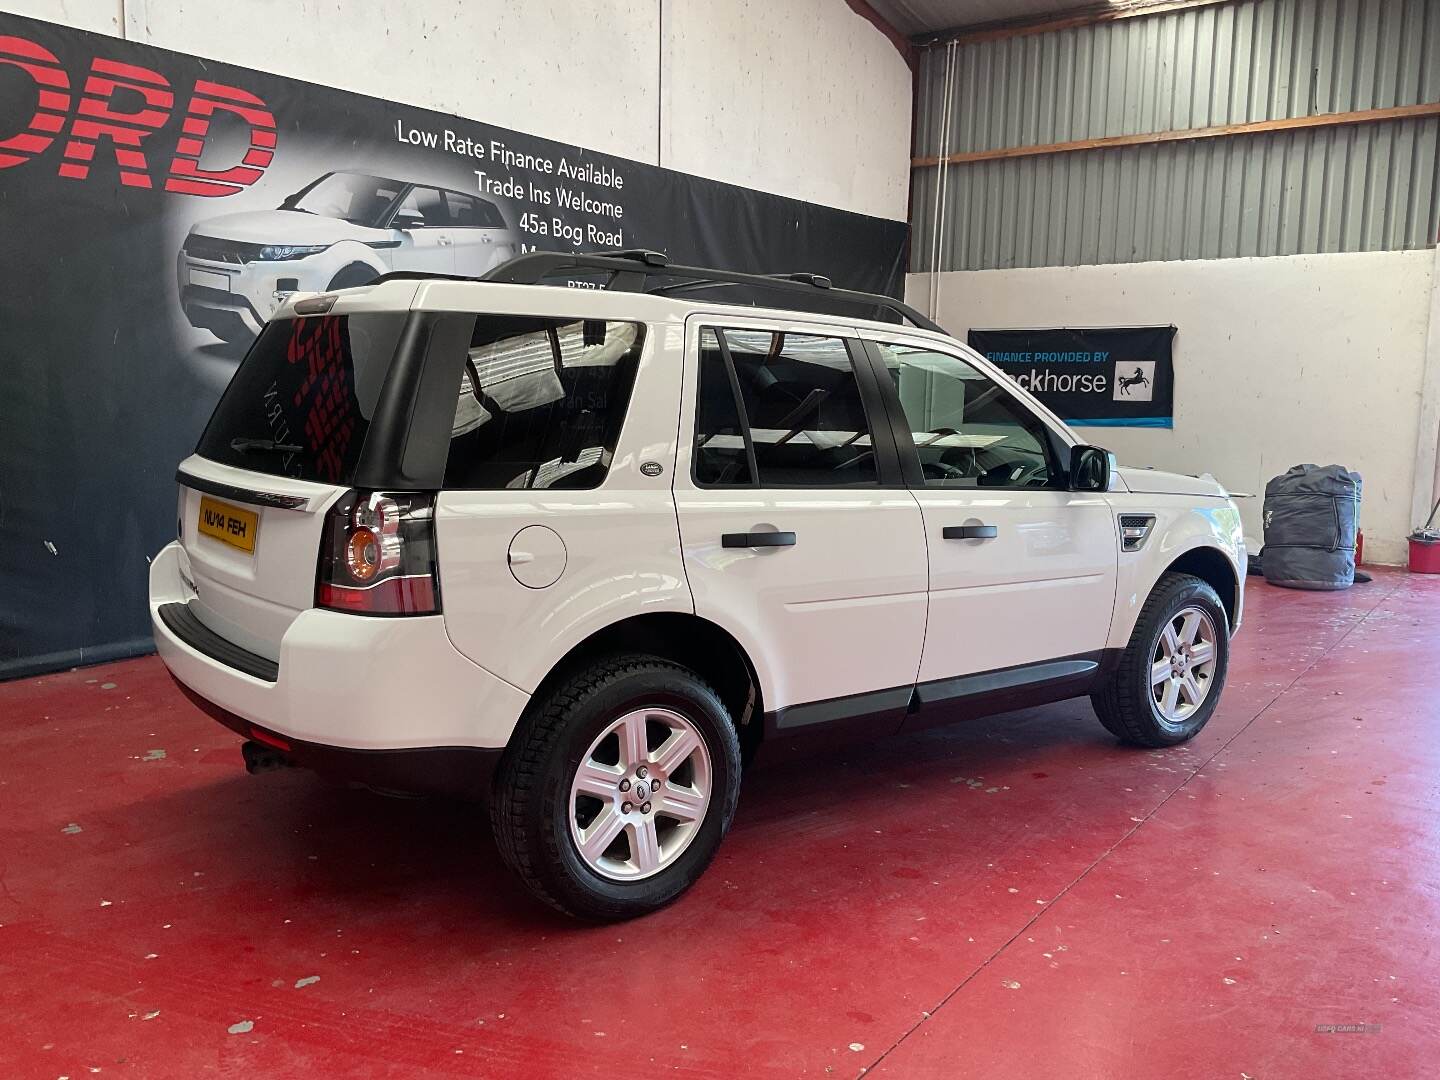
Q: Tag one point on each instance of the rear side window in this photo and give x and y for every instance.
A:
(798, 420)
(302, 400)
(541, 402)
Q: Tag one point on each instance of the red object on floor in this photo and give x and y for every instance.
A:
(1018, 897)
(1359, 546)
(1424, 557)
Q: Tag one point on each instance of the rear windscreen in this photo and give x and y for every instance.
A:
(302, 400)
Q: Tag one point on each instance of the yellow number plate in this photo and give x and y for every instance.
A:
(230, 524)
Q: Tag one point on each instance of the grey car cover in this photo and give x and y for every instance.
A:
(1310, 520)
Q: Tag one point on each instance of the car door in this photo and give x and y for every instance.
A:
(797, 532)
(1022, 570)
(481, 239)
(421, 225)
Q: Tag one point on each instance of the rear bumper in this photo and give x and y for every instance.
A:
(460, 772)
(344, 682)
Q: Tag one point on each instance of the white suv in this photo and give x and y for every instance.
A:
(582, 552)
(341, 230)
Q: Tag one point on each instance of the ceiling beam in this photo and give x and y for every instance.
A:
(902, 43)
(1066, 20)
(1105, 142)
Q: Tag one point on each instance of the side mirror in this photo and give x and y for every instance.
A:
(1091, 468)
(405, 222)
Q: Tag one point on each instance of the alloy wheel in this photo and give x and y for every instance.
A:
(1182, 666)
(639, 794)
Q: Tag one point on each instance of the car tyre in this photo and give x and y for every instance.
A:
(1150, 698)
(551, 830)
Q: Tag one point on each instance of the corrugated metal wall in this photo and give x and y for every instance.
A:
(1353, 188)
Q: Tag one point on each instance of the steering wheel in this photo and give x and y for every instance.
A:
(940, 470)
(1007, 474)
(1035, 473)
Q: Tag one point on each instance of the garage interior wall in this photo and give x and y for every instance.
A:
(1267, 179)
(804, 99)
(1298, 358)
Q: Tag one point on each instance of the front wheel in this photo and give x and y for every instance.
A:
(352, 276)
(617, 788)
(1168, 681)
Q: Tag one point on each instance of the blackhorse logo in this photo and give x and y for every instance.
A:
(1137, 378)
(1134, 380)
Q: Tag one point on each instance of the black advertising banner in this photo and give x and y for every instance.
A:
(156, 208)
(1102, 377)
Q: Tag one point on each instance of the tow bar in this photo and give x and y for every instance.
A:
(260, 758)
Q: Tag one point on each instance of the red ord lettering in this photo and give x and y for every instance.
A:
(121, 107)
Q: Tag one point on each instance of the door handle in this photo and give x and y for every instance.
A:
(445, 241)
(757, 539)
(969, 532)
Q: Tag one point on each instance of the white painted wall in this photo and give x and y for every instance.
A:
(805, 93)
(797, 97)
(1278, 361)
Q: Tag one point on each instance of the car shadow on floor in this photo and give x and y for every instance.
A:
(303, 837)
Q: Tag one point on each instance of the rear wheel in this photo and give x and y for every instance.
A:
(618, 788)
(1168, 681)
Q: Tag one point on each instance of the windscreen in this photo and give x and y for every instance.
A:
(354, 197)
(302, 400)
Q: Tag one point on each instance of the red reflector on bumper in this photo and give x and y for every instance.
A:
(393, 596)
(268, 739)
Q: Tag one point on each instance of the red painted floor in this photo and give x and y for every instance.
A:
(1018, 897)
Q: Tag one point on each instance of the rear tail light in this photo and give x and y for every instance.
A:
(377, 555)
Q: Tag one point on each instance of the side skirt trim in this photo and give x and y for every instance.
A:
(942, 701)
(989, 682)
(844, 708)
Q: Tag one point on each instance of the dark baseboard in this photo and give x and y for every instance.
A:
(26, 667)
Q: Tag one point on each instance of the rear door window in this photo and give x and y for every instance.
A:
(541, 402)
(798, 420)
(301, 403)
(472, 213)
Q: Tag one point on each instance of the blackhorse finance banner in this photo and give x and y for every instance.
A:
(155, 208)
(1102, 377)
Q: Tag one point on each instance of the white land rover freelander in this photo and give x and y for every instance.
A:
(581, 552)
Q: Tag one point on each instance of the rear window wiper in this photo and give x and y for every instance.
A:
(246, 445)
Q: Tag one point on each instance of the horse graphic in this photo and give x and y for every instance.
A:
(1127, 381)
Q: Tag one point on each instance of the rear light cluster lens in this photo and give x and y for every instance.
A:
(377, 555)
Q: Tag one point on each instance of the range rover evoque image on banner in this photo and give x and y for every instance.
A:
(343, 229)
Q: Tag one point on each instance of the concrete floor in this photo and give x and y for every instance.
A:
(1017, 897)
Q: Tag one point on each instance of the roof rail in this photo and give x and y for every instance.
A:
(631, 270)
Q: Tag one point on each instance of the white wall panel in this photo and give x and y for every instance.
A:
(100, 16)
(578, 72)
(799, 97)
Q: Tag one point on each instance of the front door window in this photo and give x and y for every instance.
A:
(968, 430)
